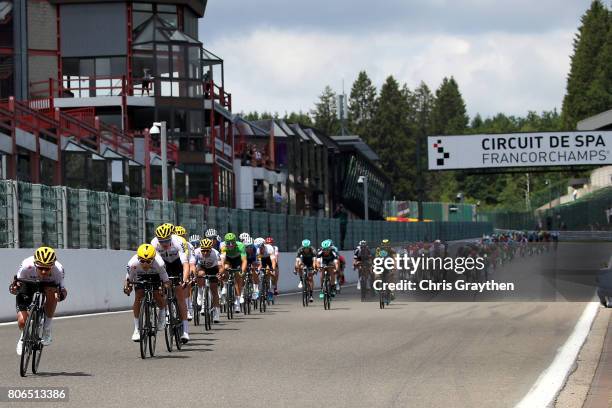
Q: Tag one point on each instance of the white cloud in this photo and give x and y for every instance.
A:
(280, 70)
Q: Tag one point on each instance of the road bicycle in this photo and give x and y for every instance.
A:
(32, 332)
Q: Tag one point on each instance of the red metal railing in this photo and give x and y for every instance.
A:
(114, 137)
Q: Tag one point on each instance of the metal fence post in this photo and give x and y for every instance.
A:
(107, 220)
(14, 187)
(64, 198)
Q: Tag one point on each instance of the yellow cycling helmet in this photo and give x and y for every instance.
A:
(146, 252)
(45, 256)
(206, 243)
(164, 231)
(180, 231)
(172, 226)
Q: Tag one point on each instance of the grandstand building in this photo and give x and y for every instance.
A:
(81, 81)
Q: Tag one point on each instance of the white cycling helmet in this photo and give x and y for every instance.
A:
(247, 241)
(243, 236)
(211, 233)
(259, 241)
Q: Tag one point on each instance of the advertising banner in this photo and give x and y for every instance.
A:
(519, 150)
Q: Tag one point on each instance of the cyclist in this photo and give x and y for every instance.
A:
(208, 263)
(252, 264)
(213, 235)
(341, 266)
(327, 256)
(362, 255)
(267, 257)
(270, 241)
(43, 267)
(182, 233)
(386, 251)
(305, 257)
(171, 249)
(244, 236)
(146, 262)
(233, 255)
(194, 240)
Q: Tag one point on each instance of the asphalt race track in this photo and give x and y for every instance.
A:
(418, 354)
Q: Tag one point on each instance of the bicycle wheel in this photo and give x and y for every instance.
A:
(143, 320)
(177, 326)
(152, 328)
(248, 295)
(229, 303)
(195, 306)
(26, 351)
(168, 324)
(263, 295)
(327, 295)
(207, 310)
(304, 295)
(38, 348)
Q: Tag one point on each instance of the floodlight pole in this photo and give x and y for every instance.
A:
(164, 164)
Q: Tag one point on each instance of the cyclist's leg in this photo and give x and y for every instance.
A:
(23, 299)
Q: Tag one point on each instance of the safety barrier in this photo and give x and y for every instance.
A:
(94, 279)
(63, 217)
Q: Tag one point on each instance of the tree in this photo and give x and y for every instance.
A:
(448, 117)
(300, 118)
(600, 92)
(584, 97)
(421, 103)
(390, 139)
(449, 114)
(325, 113)
(362, 104)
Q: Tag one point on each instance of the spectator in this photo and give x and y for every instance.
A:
(341, 214)
(146, 81)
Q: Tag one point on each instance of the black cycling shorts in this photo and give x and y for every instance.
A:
(212, 274)
(25, 295)
(174, 268)
(307, 262)
(267, 261)
(235, 263)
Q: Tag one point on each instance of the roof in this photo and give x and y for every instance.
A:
(158, 30)
(299, 131)
(269, 124)
(600, 121)
(248, 128)
(356, 142)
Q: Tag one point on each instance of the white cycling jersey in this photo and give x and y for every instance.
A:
(192, 256)
(209, 260)
(275, 251)
(266, 251)
(27, 272)
(135, 269)
(175, 251)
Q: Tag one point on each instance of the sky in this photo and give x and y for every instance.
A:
(508, 56)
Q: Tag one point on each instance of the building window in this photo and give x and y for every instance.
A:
(88, 77)
(141, 12)
(6, 23)
(7, 83)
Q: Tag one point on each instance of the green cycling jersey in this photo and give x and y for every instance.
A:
(239, 250)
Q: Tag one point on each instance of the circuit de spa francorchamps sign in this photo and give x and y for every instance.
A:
(519, 150)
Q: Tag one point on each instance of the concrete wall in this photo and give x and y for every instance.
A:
(94, 279)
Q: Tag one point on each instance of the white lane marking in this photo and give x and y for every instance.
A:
(549, 383)
(75, 316)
